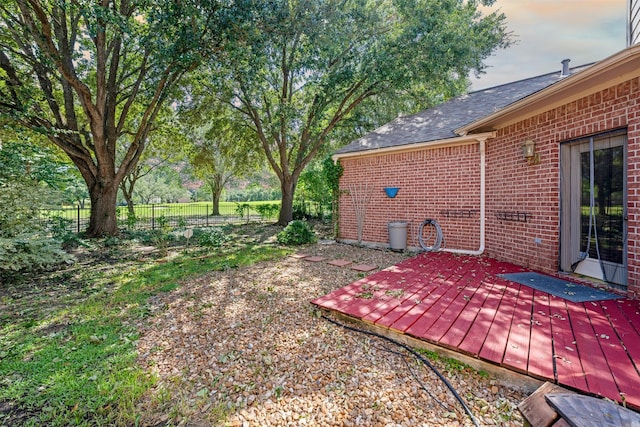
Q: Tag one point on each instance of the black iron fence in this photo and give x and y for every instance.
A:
(158, 216)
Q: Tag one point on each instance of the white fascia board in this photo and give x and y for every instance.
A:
(449, 142)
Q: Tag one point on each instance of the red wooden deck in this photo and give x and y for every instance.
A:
(460, 302)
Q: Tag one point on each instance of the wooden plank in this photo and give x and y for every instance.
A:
(405, 314)
(569, 369)
(415, 285)
(477, 334)
(343, 296)
(495, 344)
(587, 411)
(599, 378)
(541, 346)
(408, 304)
(535, 409)
(629, 338)
(441, 314)
(516, 354)
(466, 318)
(377, 292)
(622, 368)
(421, 304)
(330, 300)
(631, 310)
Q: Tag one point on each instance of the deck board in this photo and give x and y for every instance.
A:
(423, 286)
(467, 285)
(541, 341)
(597, 371)
(377, 292)
(569, 369)
(476, 337)
(516, 354)
(461, 303)
(493, 348)
(627, 335)
(438, 317)
(463, 322)
(622, 368)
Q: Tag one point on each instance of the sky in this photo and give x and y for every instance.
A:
(548, 31)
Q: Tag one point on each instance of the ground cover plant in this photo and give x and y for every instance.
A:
(67, 340)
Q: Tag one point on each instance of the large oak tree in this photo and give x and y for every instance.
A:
(302, 67)
(92, 75)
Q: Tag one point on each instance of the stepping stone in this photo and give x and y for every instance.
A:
(299, 256)
(339, 262)
(315, 258)
(364, 267)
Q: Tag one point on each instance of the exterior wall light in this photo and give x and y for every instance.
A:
(529, 152)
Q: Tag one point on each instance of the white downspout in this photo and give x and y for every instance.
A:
(480, 250)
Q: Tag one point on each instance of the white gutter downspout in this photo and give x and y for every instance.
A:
(480, 250)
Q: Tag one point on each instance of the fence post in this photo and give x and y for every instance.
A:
(153, 216)
(78, 219)
(206, 214)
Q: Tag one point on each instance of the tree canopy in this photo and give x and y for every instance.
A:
(298, 69)
(88, 73)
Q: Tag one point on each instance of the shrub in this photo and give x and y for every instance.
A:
(243, 209)
(211, 237)
(267, 210)
(60, 228)
(297, 233)
(25, 242)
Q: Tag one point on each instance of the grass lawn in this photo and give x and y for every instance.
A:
(67, 340)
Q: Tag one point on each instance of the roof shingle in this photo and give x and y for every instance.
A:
(440, 122)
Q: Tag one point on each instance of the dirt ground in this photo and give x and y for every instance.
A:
(245, 347)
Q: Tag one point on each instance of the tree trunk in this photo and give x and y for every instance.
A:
(215, 196)
(103, 220)
(288, 187)
(130, 208)
(127, 193)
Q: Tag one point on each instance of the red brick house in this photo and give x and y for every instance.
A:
(573, 204)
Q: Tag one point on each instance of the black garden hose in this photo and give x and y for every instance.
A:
(417, 355)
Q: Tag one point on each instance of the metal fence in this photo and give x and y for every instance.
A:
(156, 216)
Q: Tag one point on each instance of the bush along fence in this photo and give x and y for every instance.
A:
(159, 216)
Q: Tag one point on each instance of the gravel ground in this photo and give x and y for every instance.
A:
(245, 347)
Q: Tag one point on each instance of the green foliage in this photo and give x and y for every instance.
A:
(213, 237)
(332, 172)
(62, 230)
(70, 358)
(243, 209)
(267, 210)
(297, 70)
(312, 187)
(297, 233)
(99, 76)
(25, 241)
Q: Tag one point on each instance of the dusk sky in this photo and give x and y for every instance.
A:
(548, 31)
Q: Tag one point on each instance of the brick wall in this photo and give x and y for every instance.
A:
(443, 184)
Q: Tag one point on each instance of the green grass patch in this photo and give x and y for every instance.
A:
(68, 357)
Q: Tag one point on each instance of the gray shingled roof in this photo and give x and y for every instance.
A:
(439, 122)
